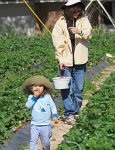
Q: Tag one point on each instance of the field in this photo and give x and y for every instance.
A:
(22, 57)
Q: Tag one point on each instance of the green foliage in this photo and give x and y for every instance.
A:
(94, 129)
(100, 44)
(89, 88)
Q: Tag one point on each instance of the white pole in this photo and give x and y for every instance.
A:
(89, 4)
(110, 18)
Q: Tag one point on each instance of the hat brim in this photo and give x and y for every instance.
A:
(36, 80)
(70, 5)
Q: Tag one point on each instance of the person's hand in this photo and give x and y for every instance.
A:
(62, 67)
(36, 94)
(73, 30)
(55, 120)
(37, 90)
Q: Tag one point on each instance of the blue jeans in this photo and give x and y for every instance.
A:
(44, 132)
(72, 97)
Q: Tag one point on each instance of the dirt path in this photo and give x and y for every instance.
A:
(104, 75)
(59, 130)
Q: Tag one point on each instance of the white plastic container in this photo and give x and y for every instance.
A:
(61, 82)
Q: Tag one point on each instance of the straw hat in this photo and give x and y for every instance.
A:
(71, 2)
(36, 80)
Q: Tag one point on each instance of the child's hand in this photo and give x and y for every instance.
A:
(37, 90)
(55, 120)
(36, 94)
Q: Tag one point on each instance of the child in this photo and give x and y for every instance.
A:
(42, 106)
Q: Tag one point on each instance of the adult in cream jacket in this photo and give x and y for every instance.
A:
(70, 37)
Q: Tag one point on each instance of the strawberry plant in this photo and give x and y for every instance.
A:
(94, 129)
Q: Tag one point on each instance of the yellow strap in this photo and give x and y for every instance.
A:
(36, 16)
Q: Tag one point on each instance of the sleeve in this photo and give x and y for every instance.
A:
(31, 101)
(53, 108)
(86, 30)
(58, 41)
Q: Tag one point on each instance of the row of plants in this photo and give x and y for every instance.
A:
(21, 53)
(100, 44)
(22, 57)
(94, 129)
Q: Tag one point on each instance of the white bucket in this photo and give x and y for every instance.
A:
(61, 82)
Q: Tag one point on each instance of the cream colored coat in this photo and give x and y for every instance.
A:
(62, 42)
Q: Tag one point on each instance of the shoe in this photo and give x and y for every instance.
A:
(70, 119)
(63, 118)
(76, 116)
